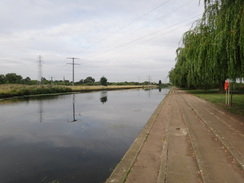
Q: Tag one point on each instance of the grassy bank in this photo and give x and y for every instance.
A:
(110, 87)
(12, 90)
(217, 98)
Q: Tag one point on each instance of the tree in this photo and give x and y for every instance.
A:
(213, 50)
(2, 79)
(103, 81)
(89, 79)
(27, 80)
(45, 81)
(81, 81)
(12, 78)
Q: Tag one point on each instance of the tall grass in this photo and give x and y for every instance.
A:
(11, 90)
(110, 87)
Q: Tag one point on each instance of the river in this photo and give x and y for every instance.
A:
(72, 138)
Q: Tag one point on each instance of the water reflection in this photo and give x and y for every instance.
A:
(104, 96)
(74, 116)
(74, 108)
(40, 111)
(57, 151)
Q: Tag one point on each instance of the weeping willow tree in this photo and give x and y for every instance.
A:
(213, 49)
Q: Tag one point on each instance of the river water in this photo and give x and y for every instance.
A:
(71, 138)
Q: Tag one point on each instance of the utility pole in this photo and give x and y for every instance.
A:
(73, 68)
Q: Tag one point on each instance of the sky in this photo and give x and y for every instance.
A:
(128, 40)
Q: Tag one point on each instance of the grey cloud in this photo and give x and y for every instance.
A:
(100, 32)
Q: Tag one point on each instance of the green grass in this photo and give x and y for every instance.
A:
(217, 98)
(110, 87)
(11, 90)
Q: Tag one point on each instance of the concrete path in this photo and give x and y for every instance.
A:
(186, 140)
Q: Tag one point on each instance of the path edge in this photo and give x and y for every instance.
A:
(123, 168)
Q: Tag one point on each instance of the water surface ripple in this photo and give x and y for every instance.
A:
(71, 138)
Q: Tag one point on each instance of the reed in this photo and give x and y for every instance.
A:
(110, 87)
(11, 90)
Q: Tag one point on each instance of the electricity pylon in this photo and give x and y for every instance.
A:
(39, 76)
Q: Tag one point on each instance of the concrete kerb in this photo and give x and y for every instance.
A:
(122, 170)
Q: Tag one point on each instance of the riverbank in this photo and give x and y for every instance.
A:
(109, 87)
(187, 139)
(16, 90)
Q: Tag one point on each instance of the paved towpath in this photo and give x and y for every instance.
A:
(186, 140)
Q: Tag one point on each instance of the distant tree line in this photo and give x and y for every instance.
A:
(12, 78)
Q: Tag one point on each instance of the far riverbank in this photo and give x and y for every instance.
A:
(17, 90)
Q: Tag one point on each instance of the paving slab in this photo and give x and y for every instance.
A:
(186, 140)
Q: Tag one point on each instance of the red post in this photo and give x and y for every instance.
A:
(226, 86)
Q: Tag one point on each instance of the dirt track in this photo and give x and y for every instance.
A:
(186, 140)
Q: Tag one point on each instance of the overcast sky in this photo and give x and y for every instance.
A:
(126, 40)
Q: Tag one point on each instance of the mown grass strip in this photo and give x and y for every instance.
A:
(217, 98)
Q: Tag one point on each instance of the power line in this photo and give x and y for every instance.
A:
(155, 32)
(124, 44)
(73, 68)
(165, 14)
(145, 40)
(135, 20)
(151, 22)
(137, 39)
(130, 23)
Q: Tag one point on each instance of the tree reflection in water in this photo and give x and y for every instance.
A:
(104, 97)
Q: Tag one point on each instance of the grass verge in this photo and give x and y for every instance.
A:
(12, 90)
(110, 87)
(217, 98)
